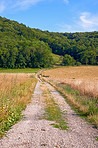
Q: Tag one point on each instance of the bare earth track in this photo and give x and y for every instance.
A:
(34, 132)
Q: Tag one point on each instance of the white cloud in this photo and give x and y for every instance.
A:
(88, 21)
(66, 1)
(26, 3)
(17, 4)
(85, 22)
(2, 6)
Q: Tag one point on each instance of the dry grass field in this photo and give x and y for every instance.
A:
(80, 86)
(15, 93)
(83, 78)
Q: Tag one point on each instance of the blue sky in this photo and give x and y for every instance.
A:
(53, 15)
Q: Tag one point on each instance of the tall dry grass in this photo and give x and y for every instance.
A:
(85, 105)
(86, 87)
(80, 86)
(15, 93)
(83, 78)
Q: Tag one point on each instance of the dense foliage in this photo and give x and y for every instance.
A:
(83, 47)
(21, 46)
(68, 60)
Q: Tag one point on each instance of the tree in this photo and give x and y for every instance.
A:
(88, 57)
(20, 62)
(68, 60)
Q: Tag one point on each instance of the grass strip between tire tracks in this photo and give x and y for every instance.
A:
(53, 112)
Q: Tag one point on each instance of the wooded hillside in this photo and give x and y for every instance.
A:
(21, 46)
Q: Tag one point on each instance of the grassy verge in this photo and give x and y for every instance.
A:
(84, 105)
(53, 112)
(26, 70)
(15, 94)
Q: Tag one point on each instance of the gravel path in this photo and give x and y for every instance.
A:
(34, 132)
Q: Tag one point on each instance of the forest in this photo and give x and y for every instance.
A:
(22, 47)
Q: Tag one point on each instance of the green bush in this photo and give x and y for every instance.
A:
(68, 60)
(78, 63)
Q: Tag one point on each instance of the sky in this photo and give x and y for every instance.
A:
(53, 15)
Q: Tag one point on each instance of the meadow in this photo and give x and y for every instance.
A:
(25, 70)
(79, 85)
(15, 93)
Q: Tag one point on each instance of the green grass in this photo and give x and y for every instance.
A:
(53, 113)
(86, 100)
(97, 138)
(43, 144)
(84, 105)
(26, 70)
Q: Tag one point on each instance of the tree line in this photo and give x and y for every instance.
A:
(82, 47)
(21, 46)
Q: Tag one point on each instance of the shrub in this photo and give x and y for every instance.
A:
(68, 60)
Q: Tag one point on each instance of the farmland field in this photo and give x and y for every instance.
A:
(84, 78)
(80, 86)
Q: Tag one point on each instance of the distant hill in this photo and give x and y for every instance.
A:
(21, 46)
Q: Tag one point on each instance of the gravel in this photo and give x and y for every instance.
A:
(34, 132)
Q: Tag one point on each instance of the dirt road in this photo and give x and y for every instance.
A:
(35, 132)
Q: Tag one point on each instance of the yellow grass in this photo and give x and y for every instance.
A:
(15, 93)
(83, 78)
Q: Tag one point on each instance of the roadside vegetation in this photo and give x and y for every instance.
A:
(15, 93)
(85, 105)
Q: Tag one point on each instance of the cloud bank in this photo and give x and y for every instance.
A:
(26, 3)
(88, 21)
(20, 4)
(85, 22)
(17, 4)
(66, 1)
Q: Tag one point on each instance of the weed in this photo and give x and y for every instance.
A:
(97, 138)
(61, 126)
(43, 144)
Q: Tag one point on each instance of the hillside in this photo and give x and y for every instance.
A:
(83, 47)
(21, 46)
